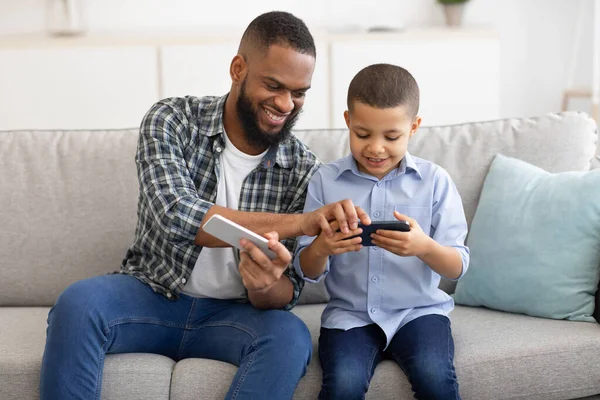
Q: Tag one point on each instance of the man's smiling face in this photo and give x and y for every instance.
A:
(272, 94)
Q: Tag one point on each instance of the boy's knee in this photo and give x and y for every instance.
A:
(345, 384)
(435, 382)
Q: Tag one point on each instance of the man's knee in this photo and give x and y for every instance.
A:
(289, 335)
(81, 302)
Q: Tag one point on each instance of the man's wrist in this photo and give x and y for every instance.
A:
(265, 290)
(276, 295)
(300, 223)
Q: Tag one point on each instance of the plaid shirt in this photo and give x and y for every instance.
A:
(178, 165)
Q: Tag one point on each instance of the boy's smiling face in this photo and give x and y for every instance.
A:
(379, 136)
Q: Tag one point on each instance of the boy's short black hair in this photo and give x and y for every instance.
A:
(384, 86)
(277, 28)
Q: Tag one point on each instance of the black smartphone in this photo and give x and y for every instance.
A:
(396, 225)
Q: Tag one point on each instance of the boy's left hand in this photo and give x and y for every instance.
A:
(405, 244)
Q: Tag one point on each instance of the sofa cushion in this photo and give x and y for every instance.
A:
(22, 340)
(68, 209)
(535, 242)
(504, 356)
(498, 356)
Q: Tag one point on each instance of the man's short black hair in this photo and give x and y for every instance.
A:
(277, 28)
(384, 86)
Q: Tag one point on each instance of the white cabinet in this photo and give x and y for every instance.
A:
(203, 69)
(457, 73)
(80, 87)
(110, 81)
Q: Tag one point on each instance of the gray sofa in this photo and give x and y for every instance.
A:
(68, 209)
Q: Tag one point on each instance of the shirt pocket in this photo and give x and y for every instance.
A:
(419, 213)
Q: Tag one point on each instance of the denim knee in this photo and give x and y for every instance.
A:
(78, 304)
(288, 335)
(346, 383)
(434, 381)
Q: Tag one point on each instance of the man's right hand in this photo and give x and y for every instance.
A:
(344, 212)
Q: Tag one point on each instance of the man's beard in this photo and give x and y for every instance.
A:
(249, 119)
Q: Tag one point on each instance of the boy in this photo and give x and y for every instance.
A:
(385, 300)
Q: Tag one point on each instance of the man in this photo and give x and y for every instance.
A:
(182, 293)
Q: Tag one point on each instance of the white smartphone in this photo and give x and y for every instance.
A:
(231, 233)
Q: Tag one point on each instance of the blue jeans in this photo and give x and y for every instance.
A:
(423, 348)
(119, 314)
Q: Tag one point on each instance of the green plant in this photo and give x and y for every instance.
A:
(452, 1)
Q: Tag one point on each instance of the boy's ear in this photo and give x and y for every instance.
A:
(347, 118)
(415, 125)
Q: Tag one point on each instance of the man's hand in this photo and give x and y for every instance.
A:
(413, 243)
(259, 272)
(344, 212)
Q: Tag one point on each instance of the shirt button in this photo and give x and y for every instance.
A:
(374, 279)
(379, 184)
(376, 214)
(373, 310)
(169, 295)
(183, 280)
(375, 247)
(218, 149)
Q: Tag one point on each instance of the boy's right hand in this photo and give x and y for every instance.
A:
(326, 245)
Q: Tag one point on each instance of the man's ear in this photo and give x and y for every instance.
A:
(238, 69)
(415, 125)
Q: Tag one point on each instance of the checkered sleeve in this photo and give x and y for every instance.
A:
(165, 183)
(297, 207)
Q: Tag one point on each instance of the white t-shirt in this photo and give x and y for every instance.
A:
(216, 273)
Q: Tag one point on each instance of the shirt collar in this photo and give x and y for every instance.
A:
(408, 163)
(281, 154)
(214, 111)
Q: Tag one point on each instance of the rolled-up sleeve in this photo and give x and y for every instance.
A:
(297, 207)
(165, 182)
(314, 200)
(449, 225)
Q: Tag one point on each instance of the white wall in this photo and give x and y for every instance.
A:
(536, 35)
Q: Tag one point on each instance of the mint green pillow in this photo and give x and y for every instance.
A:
(534, 242)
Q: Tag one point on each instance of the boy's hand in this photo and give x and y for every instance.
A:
(328, 245)
(413, 243)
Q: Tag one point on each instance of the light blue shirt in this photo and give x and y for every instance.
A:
(374, 285)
